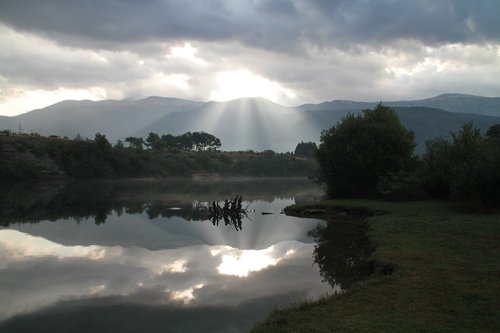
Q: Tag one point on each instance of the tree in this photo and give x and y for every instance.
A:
(170, 141)
(185, 141)
(437, 167)
(475, 172)
(467, 169)
(360, 149)
(104, 147)
(307, 149)
(153, 141)
(205, 142)
(493, 132)
(135, 142)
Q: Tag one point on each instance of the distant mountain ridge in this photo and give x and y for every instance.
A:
(114, 118)
(260, 122)
(247, 123)
(459, 103)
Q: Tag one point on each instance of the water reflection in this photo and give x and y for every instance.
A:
(41, 274)
(341, 251)
(148, 255)
(146, 252)
(99, 200)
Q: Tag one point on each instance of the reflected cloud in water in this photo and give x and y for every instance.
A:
(145, 252)
(16, 245)
(242, 262)
(197, 276)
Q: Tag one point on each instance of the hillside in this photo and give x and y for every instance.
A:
(459, 103)
(246, 123)
(116, 119)
(426, 123)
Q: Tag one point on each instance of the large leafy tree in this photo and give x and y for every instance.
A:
(467, 169)
(360, 149)
(135, 142)
(307, 149)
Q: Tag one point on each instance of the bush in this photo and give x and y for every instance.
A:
(467, 169)
(402, 186)
(355, 153)
(436, 169)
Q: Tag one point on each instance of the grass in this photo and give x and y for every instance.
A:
(446, 277)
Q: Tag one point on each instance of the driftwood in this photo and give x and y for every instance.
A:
(231, 212)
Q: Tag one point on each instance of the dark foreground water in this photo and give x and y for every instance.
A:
(142, 256)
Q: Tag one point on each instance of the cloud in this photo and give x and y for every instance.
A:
(264, 24)
(198, 275)
(319, 49)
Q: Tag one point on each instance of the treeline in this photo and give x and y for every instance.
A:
(372, 155)
(196, 141)
(465, 169)
(33, 156)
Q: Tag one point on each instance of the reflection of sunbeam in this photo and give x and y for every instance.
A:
(199, 274)
(249, 261)
(19, 244)
(275, 228)
(241, 263)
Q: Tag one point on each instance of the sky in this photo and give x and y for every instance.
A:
(289, 51)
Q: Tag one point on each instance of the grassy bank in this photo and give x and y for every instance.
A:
(446, 277)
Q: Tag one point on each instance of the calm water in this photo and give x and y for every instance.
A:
(142, 256)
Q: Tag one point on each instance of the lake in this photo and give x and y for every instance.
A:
(142, 255)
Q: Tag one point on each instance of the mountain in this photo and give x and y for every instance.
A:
(116, 119)
(6, 122)
(247, 123)
(427, 123)
(460, 103)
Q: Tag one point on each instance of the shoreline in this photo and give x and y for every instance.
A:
(445, 275)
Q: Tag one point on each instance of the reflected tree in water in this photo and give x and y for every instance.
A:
(341, 251)
(232, 213)
(98, 200)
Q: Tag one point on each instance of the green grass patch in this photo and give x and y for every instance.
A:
(446, 277)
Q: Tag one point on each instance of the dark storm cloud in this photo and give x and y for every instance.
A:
(116, 21)
(104, 23)
(426, 20)
(263, 24)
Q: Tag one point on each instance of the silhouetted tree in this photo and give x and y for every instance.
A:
(493, 132)
(467, 169)
(437, 166)
(153, 141)
(102, 143)
(307, 149)
(135, 142)
(205, 142)
(360, 149)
